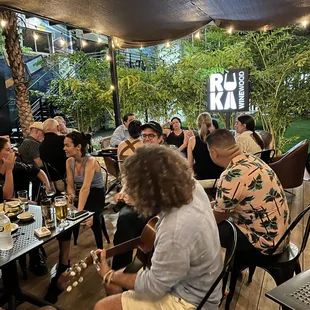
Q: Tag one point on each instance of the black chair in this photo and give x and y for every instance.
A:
(266, 155)
(228, 263)
(280, 266)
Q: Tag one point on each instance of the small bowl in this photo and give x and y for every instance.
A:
(26, 216)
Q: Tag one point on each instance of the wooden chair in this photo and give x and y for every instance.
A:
(280, 266)
(290, 166)
(112, 169)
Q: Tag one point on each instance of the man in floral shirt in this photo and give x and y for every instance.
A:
(249, 192)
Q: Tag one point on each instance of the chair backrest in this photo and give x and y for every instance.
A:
(106, 177)
(291, 227)
(266, 155)
(228, 261)
(291, 165)
(112, 166)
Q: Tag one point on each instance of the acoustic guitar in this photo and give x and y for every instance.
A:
(144, 244)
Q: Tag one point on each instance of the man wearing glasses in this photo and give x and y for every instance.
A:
(129, 223)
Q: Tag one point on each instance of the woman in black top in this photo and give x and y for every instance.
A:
(198, 153)
(176, 135)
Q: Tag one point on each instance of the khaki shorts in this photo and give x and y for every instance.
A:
(132, 301)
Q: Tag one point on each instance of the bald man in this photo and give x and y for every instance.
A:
(51, 149)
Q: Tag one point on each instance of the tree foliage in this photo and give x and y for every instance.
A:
(278, 61)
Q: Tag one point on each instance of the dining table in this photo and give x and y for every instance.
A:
(25, 241)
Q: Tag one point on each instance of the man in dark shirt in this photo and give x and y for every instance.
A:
(51, 150)
(29, 149)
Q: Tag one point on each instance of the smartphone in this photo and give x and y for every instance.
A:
(77, 214)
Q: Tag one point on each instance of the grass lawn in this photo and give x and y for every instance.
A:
(300, 128)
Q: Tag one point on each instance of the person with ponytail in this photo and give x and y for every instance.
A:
(247, 139)
(198, 153)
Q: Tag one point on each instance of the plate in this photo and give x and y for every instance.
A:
(14, 227)
(12, 215)
(26, 216)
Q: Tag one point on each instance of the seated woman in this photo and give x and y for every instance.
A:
(175, 135)
(7, 160)
(247, 139)
(84, 179)
(129, 146)
(198, 153)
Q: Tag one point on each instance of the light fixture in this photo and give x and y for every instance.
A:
(112, 87)
(62, 42)
(84, 43)
(3, 23)
(108, 57)
(230, 30)
(305, 23)
(197, 35)
(168, 44)
(35, 36)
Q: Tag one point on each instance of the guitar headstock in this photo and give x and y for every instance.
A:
(73, 276)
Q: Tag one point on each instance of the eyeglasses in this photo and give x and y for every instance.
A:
(150, 136)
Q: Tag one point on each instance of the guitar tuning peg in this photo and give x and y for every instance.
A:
(84, 265)
(75, 283)
(69, 288)
(72, 273)
(78, 269)
(81, 279)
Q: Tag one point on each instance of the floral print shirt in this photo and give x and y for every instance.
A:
(251, 191)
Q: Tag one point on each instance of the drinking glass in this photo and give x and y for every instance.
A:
(23, 198)
(61, 208)
(48, 212)
(51, 191)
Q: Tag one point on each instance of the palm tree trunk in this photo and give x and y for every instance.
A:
(16, 62)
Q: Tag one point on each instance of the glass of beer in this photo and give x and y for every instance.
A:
(61, 210)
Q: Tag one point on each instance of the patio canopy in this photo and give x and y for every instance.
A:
(150, 22)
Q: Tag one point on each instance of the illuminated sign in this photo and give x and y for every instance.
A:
(229, 92)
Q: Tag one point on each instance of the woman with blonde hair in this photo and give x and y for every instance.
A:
(198, 153)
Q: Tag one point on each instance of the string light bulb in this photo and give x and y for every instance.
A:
(3, 23)
(112, 87)
(197, 35)
(108, 57)
(62, 42)
(305, 23)
(230, 30)
(168, 45)
(84, 43)
(99, 40)
(35, 36)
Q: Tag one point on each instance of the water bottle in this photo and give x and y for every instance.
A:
(6, 240)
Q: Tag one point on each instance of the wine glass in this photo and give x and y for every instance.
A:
(61, 210)
(51, 191)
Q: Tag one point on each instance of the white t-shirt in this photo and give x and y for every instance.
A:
(246, 143)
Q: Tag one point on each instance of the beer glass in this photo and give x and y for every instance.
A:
(61, 210)
(48, 212)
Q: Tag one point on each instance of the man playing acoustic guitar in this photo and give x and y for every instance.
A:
(187, 255)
